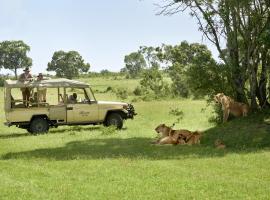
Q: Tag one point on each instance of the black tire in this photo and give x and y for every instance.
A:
(39, 125)
(114, 119)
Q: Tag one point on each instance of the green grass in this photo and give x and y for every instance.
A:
(84, 162)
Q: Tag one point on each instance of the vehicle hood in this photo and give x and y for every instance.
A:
(111, 103)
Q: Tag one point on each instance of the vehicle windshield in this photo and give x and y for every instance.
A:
(90, 94)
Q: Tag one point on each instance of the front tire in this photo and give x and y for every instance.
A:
(114, 119)
(39, 125)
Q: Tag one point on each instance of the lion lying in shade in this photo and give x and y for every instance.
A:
(230, 106)
(182, 136)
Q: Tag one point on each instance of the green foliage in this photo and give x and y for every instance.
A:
(152, 83)
(138, 91)
(151, 56)
(217, 115)
(179, 85)
(135, 63)
(193, 70)
(121, 93)
(240, 32)
(13, 55)
(68, 64)
(109, 89)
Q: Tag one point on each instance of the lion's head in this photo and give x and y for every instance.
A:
(217, 97)
(163, 129)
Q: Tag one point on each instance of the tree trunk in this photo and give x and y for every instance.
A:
(233, 47)
(15, 72)
(253, 87)
(261, 89)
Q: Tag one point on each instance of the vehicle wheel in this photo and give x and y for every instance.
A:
(39, 125)
(114, 119)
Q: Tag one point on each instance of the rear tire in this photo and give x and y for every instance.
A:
(114, 119)
(38, 125)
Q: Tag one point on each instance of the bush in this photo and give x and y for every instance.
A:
(138, 91)
(121, 93)
(152, 83)
(179, 89)
(217, 117)
(109, 89)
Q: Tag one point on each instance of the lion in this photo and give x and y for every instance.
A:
(238, 109)
(195, 138)
(182, 136)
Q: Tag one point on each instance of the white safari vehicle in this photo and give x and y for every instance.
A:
(58, 102)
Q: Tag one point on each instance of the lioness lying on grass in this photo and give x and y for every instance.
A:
(230, 106)
(182, 136)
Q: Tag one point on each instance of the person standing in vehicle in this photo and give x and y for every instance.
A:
(26, 92)
(41, 91)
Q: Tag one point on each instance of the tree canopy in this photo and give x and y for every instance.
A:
(13, 55)
(68, 64)
(134, 64)
(240, 31)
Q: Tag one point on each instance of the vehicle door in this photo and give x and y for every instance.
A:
(79, 107)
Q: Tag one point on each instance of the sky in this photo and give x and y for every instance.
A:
(103, 32)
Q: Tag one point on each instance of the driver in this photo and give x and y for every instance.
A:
(72, 98)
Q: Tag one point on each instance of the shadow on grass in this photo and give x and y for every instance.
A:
(115, 148)
(73, 128)
(53, 131)
(13, 135)
(241, 136)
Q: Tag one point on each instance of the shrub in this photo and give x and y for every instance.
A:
(152, 83)
(138, 91)
(217, 116)
(109, 89)
(121, 93)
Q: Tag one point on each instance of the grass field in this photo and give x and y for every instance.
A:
(92, 162)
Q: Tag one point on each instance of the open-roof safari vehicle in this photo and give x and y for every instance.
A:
(59, 102)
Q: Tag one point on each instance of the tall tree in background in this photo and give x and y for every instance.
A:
(134, 64)
(241, 25)
(13, 55)
(193, 69)
(151, 56)
(68, 64)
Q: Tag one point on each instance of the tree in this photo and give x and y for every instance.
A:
(152, 82)
(151, 55)
(240, 24)
(193, 69)
(13, 55)
(68, 64)
(135, 63)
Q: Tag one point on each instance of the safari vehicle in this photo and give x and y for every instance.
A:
(38, 115)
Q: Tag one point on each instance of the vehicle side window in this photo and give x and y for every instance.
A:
(17, 98)
(28, 97)
(77, 96)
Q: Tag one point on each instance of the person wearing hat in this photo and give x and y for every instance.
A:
(26, 76)
(26, 92)
(41, 92)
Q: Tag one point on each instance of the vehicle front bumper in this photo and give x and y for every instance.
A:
(131, 111)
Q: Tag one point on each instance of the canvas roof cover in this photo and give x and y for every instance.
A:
(52, 83)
